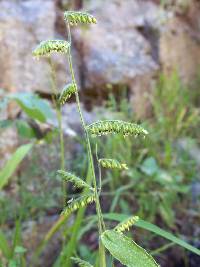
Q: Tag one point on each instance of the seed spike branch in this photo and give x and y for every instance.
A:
(126, 224)
(105, 127)
(76, 17)
(81, 263)
(46, 48)
(70, 177)
(67, 92)
(78, 203)
(112, 164)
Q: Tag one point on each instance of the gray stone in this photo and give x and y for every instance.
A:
(115, 51)
(22, 26)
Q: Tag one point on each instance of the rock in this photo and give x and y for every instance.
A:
(8, 144)
(179, 50)
(22, 26)
(180, 41)
(115, 51)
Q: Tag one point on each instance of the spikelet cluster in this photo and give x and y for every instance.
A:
(75, 17)
(112, 164)
(125, 225)
(46, 48)
(115, 126)
(78, 203)
(81, 263)
(67, 92)
(76, 181)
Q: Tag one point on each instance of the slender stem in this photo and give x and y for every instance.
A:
(100, 183)
(99, 167)
(90, 157)
(59, 119)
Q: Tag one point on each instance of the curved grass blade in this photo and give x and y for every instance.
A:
(13, 163)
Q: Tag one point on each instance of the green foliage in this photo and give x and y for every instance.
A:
(119, 217)
(24, 129)
(126, 251)
(4, 246)
(12, 254)
(33, 106)
(13, 163)
(174, 113)
(155, 182)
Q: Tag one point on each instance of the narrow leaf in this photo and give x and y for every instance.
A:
(126, 251)
(4, 246)
(13, 163)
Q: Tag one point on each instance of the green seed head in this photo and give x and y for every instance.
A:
(46, 48)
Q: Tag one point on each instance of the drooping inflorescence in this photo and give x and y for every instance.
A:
(67, 92)
(46, 48)
(75, 17)
(125, 225)
(117, 127)
(77, 203)
(81, 263)
(112, 164)
(70, 177)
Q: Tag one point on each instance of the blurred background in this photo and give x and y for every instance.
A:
(139, 63)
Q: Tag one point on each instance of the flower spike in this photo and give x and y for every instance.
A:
(46, 48)
(112, 164)
(67, 92)
(75, 17)
(70, 177)
(78, 203)
(125, 225)
(117, 127)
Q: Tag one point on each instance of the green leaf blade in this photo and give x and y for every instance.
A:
(154, 229)
(13, 163)
(157, 230)
(4, 246)
(35, 107)
(127, 251)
